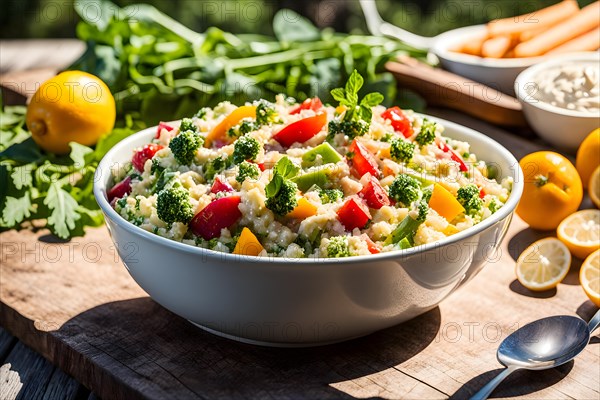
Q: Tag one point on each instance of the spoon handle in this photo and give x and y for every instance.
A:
(594, 322)
(485, 391)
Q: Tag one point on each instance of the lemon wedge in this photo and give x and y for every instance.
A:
(589, 277)
(543, 265)
(581, 232)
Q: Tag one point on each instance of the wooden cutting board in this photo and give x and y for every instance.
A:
(76, 304)
(441, 88)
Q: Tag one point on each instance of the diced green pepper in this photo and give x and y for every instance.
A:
(319, 177)
(327, 153)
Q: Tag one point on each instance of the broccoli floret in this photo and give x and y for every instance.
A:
(402, 151)
(494, 206)
(187, 125)
(405, 189)
(338, 247)
(427, 134)
(468, 196)
(201, 114)
(351, 129)
(404, 233)
(246, 148)
(247, 170)
(156, 167)
(173, 205)
(244, 127)
(266, 114)
(215, 167)
(284, 200)
(185, 145)
(164, 177)
(330, 195)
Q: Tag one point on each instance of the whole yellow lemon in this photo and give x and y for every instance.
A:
(73, 106)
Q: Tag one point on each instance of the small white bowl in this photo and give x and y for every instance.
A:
(561, 127)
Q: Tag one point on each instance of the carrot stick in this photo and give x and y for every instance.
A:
(585, 20)
(473, 46)
(496, 47)
(587, 42)
(531, 33)
(545, 17)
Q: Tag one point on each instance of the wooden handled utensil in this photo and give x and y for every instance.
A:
(445, 89)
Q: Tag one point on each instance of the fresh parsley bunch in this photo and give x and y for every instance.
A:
(35, 185)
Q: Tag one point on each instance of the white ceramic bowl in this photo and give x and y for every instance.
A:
(499, 73)
(563, 128)
(305, 302)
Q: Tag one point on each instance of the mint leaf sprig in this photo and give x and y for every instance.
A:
(358, 115)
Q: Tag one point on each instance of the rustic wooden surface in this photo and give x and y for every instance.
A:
(75, 304)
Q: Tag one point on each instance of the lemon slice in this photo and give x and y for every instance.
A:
(589, 277)
(543, 265)
(594, 187)
(581, 232)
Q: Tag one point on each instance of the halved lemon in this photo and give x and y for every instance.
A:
(594, 187)
(589, 276)
(580, 231)
(543, 265)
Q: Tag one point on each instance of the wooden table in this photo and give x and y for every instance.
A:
(75, 304)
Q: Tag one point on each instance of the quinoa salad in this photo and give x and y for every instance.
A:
(287, 179)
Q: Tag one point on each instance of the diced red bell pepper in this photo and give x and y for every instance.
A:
(301, 131)
(453, 156)
(220, 186)
(481, 193)
(146, 153)
(314, 104)
(400, 121)
(218, 214)
(354, 214)
(371, 245)
(374, 195)
(161, 126)
(362, 160)
(119, 190)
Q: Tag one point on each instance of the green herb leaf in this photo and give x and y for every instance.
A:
(286, 168)
(353, 85)
(80, 154)
(25, 152)
(22, 176)
(63, 209)
(274, 185)
(372, 99)
(339, 95)
(16, 210)
(292, 27)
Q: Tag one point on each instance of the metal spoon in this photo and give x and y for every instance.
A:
(542, 344)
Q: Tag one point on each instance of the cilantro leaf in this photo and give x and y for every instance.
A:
(63, 208)
(22, 176)
(356, 112)
(80, 154)
(16, 210)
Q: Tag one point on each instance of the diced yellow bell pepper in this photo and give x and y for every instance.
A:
(340, 109)
(219, 132)
(248, 244)
(450, 230)
(303, 210)
(444, 203)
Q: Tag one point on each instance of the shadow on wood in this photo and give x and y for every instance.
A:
(522, 239)
(178, 360)
(519, 383)
(517, 287)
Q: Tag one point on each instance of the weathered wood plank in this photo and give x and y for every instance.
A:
(7, 342)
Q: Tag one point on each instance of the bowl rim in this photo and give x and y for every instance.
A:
(104, 167)
(444, 41)
(523, 79)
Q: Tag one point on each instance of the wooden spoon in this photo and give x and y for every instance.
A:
(445, 89)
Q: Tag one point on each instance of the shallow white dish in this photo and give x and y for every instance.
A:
(563, 128)
(305, 302)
